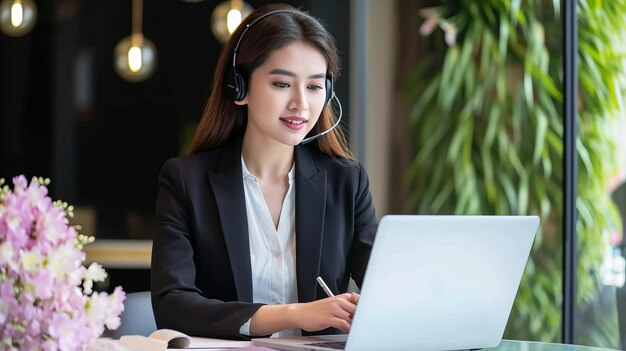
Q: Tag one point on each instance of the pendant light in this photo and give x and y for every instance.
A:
(17, 17)
(227, 16)
(135, 57)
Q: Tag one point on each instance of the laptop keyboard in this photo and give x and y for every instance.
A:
(337, 345)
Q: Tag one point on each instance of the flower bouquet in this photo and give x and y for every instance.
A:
(46, 297)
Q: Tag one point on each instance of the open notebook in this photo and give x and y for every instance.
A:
(434, 283)
(163, 339)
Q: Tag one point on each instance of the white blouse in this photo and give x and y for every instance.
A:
(272, 250)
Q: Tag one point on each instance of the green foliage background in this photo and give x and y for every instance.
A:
(487, 125)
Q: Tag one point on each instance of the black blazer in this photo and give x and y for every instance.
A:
(201, 274)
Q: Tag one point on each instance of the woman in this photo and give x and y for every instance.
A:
(251, 217)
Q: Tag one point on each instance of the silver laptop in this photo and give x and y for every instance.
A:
(434, 283)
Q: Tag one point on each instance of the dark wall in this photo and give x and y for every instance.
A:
(65, 113)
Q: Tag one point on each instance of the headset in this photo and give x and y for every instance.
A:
(234, 82)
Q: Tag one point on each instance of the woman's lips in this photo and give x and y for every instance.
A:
(294, 122)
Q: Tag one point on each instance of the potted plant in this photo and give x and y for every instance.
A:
(487, 128)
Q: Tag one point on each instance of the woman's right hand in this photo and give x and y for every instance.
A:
(334, 312)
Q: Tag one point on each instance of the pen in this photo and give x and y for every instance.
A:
(325, 287)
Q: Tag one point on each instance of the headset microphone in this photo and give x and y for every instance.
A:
(309, 139)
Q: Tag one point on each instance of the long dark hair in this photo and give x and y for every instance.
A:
(222, 118)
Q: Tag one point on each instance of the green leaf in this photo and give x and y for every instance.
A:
(423, 103)
(515, 6)
(540, 135)
(503, 38)
(528, 87)
(522, 207)
(583, 156)
(493, 125)
(449, 64)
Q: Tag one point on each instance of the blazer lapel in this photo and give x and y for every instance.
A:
(310, 211)
(227, 185)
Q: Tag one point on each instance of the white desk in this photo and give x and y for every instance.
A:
(505, 345)
(204, 344)
(510, 345)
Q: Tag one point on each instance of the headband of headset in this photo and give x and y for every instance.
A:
(234, 82)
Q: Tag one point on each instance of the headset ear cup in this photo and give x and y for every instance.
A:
(329, 90)
(234, 85)
(241, 83)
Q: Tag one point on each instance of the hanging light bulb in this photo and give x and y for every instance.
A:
(17, 17)
(227, 16)
(135, 57)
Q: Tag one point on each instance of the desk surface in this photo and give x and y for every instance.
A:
(206, 344)
(505, 345)
(510, 345)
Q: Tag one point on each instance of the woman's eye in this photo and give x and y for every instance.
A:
(281, 85)
(315, 87)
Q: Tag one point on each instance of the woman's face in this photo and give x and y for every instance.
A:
(286, 94)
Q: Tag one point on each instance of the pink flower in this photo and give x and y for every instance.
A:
(46, 300)
(44, 283)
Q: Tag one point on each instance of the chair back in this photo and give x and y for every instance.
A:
(137, 318)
